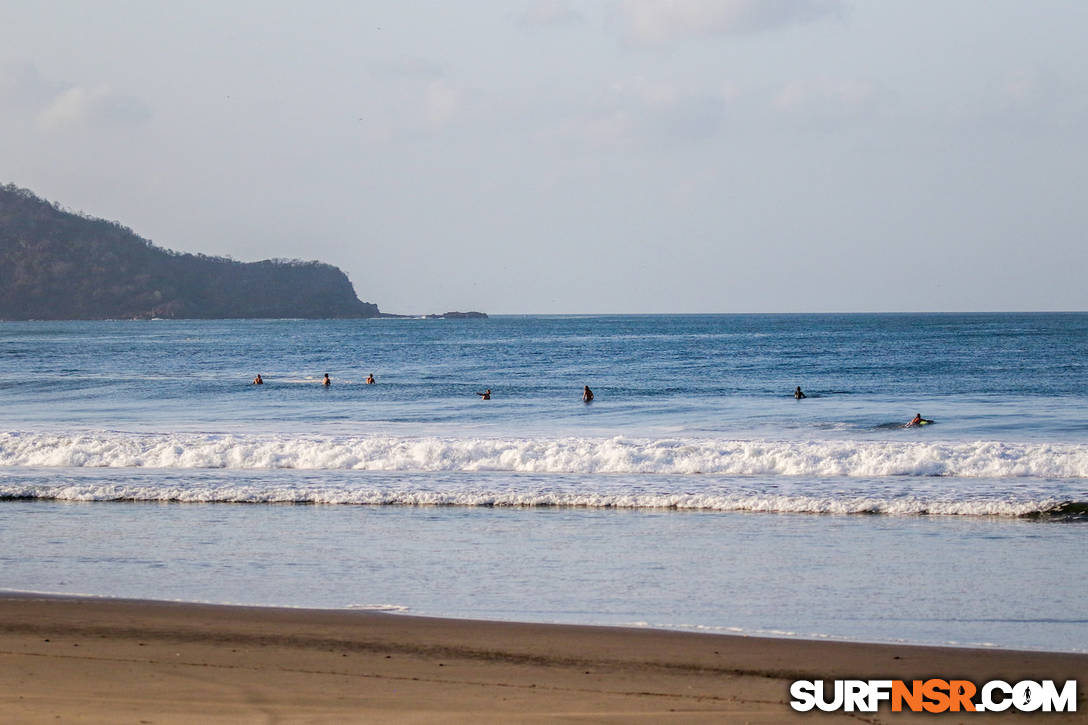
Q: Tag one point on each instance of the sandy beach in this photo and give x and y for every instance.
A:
(118, 661)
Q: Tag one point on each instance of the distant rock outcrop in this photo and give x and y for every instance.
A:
(458, 316)
(58, 265)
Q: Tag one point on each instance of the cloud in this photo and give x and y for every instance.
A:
(826, 99)
(22, 87)
(409, 67)
(669, 112)
(94, 106)
(603, 128)
(650, 114)
(442, 101)
(641, 112)
(1023, 98)
(27, 94)
(545, 13)
(417, 97)
(659, 22)
(1027, 88)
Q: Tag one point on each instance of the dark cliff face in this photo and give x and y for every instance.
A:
(58, 265)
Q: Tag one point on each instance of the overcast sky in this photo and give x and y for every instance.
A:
(556, 156)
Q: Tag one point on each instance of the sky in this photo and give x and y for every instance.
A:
(563, 157)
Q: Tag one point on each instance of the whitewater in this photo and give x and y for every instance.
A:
(979, 459)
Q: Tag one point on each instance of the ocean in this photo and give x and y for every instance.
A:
(695, 492)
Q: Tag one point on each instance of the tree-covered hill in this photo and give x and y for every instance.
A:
(55, 265)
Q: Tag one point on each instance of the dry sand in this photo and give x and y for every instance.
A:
(119, 661)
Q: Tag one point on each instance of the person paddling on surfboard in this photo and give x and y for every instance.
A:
(917, 420)
(486, 395)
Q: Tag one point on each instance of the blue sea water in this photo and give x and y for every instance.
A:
(695, 492)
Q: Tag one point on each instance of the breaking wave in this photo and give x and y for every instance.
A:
(1040, 506)
(980, 459)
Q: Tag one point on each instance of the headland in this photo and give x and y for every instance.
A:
(56, 264)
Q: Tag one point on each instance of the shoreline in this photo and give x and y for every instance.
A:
(393, 610)
(117, 660)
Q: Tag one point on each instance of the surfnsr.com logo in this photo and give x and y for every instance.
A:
(933, 695)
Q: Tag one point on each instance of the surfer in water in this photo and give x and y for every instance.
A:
(798, 394)
(486, 395)
(917, 420)
(258, 380)
(326, 382)
(370, 379)
(587, 395)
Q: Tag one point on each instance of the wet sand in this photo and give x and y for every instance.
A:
(121, 661)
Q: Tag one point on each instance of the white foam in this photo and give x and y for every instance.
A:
(981, 459)
(591, 494)
(378, 608)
